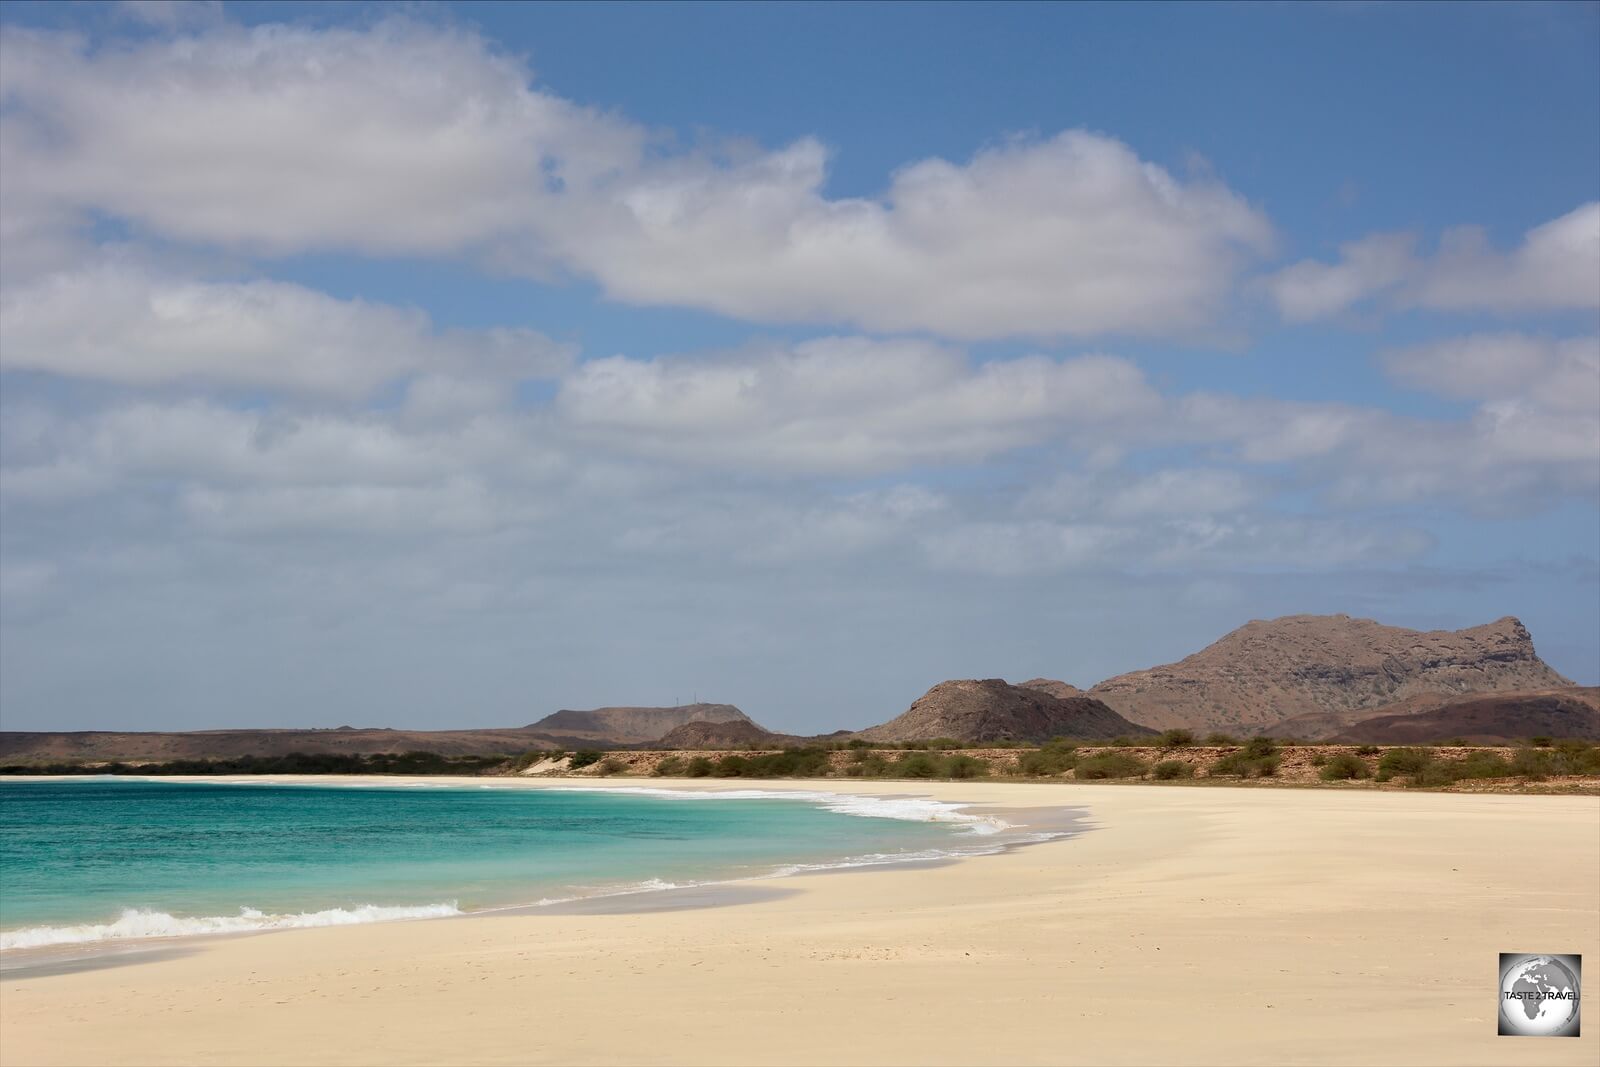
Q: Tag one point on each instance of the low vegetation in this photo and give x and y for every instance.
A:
(1260, 758)
(1109, 765)
(1172, 769)
(1343, 767)
(1257, 759)
(415, 763)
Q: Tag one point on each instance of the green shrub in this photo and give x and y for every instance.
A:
(1177, 738)
(1170, 769)
(699, 767)
(611, 765)
(1403, 761)
(583, 759)
(1054, 758)
(867, 765)
(670, 766)
(916, 765)
(965, 767)
(1241, 764)
(1109, 765)
(1540, 742)
(1319, 760)
(1577, 757)
(1260, 747)
(1343, 766)
(1124, 741)
(1367, 750)
(1481, 765)
(1531, 763)
(1219, 738)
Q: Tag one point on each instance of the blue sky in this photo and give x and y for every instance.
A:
(448, 365)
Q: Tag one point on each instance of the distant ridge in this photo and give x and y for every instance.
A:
(633, 725)
(733, 734)
(1485, 719)
(992, 709)
(1268, 671)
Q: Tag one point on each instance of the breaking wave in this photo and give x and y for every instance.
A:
(135, 923)
(910, 809)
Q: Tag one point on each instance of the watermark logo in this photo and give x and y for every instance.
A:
(1539, 994)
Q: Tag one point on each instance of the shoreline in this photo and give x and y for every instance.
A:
(1197, 926)
(977, 832)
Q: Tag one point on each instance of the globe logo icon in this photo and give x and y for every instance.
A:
(1539, 995)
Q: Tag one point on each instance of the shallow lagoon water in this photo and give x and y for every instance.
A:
(113, 860)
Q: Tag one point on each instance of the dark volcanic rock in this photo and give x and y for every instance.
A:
(1493, 719)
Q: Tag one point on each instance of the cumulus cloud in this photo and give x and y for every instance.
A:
(847, 404)
(1237, 542)
(1073, 235)
(412, 138)
(1555, 268)
(1532, 434)
(122, 323)
(401, 138)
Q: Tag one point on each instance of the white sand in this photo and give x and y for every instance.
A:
(1193, 925)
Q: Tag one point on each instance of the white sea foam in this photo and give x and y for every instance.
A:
(135, 923)
(910, 809)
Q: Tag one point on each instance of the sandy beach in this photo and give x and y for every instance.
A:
(1188, 925)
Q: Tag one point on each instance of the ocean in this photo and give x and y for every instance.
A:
(115, 860)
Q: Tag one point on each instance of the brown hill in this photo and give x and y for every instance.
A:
(993, 710)
(96, 746)
(715, 735)
(1055, 688)
(1265, 672)
(1493, 719)
(631, 726)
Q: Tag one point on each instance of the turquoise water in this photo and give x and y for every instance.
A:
(111, 859)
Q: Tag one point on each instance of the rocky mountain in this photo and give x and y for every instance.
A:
(631, 726)
(1053, 687)
(1268, 671)
(1490, 719)
(994, 710)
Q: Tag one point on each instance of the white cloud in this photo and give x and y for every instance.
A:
(1311, 290)
(1555, 268)
(409, 138)
(172, 14)
(1539, 397)
(1117, 494)
(122, 323)
(203, 443)
(456, 506)
(1073, 235)
(846, 404)
(401, 138)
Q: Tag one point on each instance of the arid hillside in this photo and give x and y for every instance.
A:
(994, 710)
(1268, 671)
(633, 725)
(93, 745)
(1496, 718)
